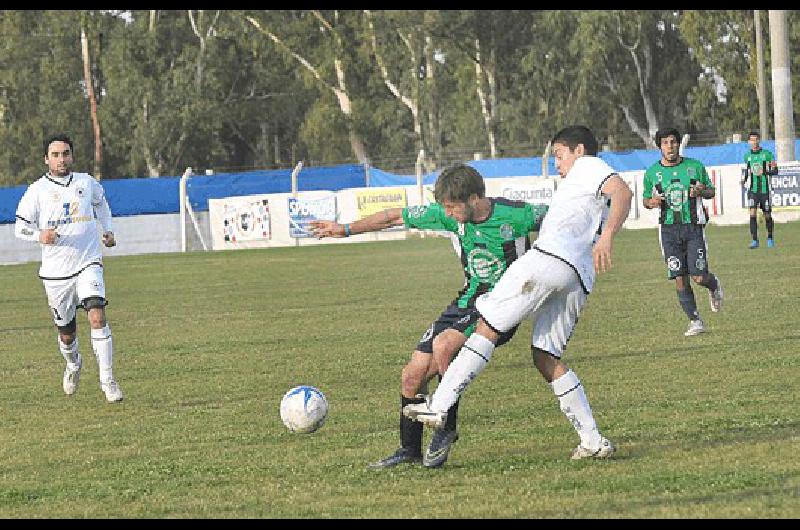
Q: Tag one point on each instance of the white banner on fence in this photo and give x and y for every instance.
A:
(240, 222)
(302, 211)
(540, 192)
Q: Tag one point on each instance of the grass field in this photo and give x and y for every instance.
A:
(207, 343)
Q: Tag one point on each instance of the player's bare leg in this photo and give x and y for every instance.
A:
(413, 382)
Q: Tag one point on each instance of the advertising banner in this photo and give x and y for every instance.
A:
(303, 211)
(785, 188)
(538, 193)
(372, 201)
(245, 219)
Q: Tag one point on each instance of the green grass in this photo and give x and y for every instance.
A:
(207, 343)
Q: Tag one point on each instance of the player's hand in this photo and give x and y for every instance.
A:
(656, 200)
(108, 239)
(697, 190)
(48, 236)
(322, 229)
(601, 254)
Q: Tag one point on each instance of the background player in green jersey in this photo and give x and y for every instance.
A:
(759, 166)
(492, 233)
(677, 185)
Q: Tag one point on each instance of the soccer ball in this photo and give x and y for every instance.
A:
(304, 409)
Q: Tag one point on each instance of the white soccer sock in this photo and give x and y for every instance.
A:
(70, 353)
(470, 361)
(572, 399)
(104, 351)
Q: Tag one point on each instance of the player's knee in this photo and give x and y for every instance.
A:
(94, 302)
(95, 308)
(443, 352)
(701, 279)
(68, 331)
(412, 377)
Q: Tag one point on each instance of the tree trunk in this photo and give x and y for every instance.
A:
(432, 93)
(87, 77)
(356, 143)
(487, 101)
(412, 101)
(153, 167)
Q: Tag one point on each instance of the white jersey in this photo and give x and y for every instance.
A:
(72, 205)
(576, 215)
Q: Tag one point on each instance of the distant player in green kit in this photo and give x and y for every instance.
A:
(491, 233)
(759, 166)
(677, 186)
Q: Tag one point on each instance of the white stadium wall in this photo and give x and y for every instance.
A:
(146, 234)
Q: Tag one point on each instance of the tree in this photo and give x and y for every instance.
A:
(641, 61)
(406, 55)
(40, 90)
(334, 52)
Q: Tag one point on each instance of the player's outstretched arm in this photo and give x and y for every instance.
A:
(372, 223)
(620, 194)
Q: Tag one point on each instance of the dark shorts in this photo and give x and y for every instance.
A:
(759, 200)
(459, 319)
(684, 249)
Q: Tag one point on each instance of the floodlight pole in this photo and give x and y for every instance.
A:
(781, 86)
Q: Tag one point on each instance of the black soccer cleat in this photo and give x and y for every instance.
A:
(401, 456)
(439, 448)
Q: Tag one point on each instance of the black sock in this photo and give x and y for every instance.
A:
(770, 225)
(754, 228)
(688, 303)
(410, 430)
(711, 282)
(452, 416)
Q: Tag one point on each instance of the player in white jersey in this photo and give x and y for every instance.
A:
(61, 210)
(549, 284)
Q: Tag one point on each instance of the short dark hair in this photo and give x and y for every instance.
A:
(58, 137)
(663, 133)
(754, 133)
(457, 183)
(577, 134)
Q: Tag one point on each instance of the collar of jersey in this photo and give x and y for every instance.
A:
(676, 165)
(61, 181)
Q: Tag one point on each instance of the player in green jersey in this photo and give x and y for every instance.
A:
(677, 185)
(491, 234)
(759, 166)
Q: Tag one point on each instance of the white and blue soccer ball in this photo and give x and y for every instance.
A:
(304, 409)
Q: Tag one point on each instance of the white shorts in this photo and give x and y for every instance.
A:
(64, 296)
(543, 288)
